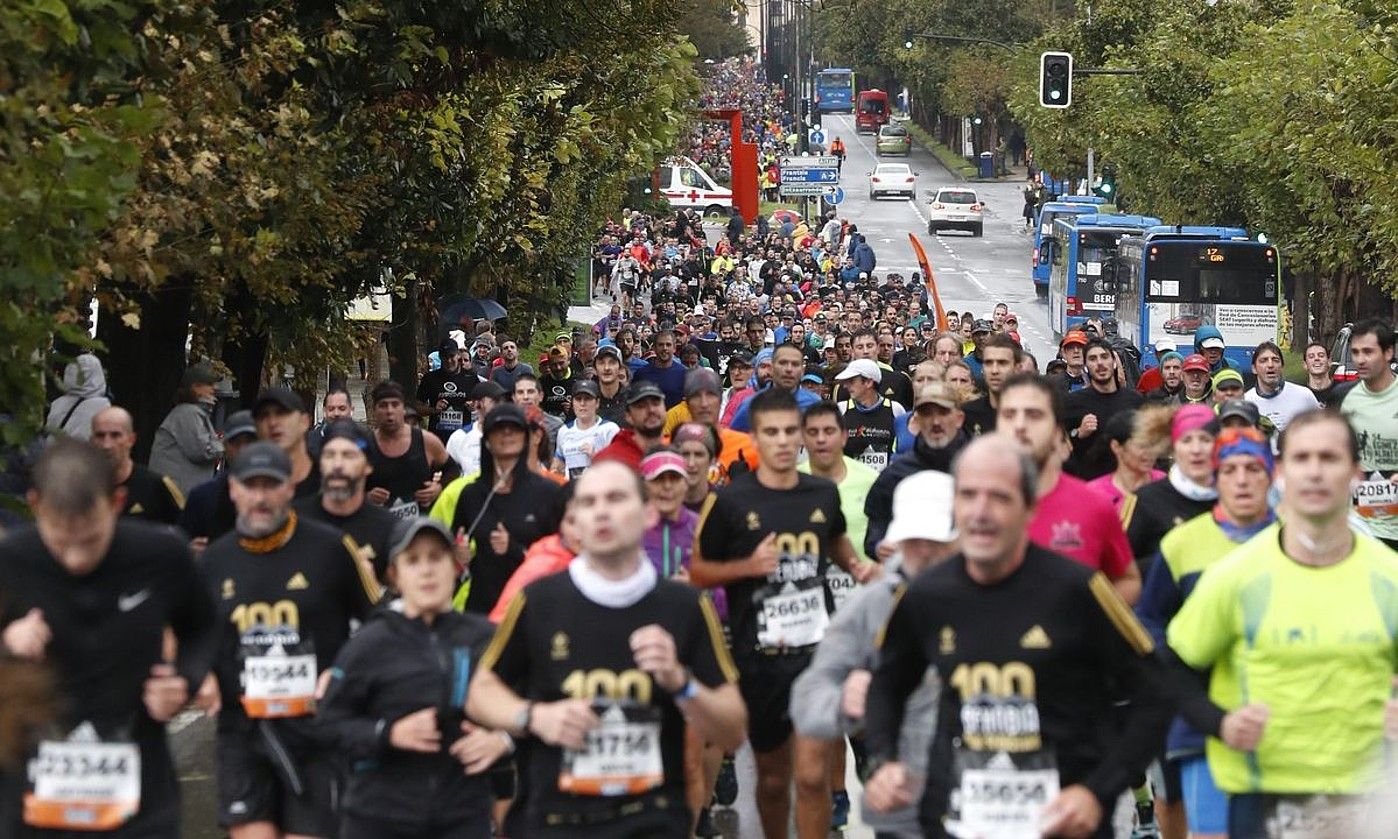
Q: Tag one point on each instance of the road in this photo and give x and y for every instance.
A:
(971, 272)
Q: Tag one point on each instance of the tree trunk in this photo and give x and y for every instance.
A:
(246, 356)
(402, 339)
(144, 365)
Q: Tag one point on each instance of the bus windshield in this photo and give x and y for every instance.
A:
(1218, 273)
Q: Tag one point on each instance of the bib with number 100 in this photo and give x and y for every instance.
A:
(83, 785)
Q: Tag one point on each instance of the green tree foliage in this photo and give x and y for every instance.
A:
(238, 171)
(1279, 116)
(715, 28)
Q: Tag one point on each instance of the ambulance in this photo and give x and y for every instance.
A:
(684, 184)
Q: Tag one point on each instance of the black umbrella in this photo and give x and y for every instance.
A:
(452, 309)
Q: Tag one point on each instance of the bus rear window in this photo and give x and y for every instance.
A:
(1231, 275)
(872, 106)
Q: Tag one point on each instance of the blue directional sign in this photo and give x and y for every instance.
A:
(811, 176)
(817, 137)
(835, 196)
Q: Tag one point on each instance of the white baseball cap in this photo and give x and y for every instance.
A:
(1211, 344)
(922, 508)
(860, 367)
(1165, 345)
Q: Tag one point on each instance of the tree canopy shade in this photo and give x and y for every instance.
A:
(237, 172)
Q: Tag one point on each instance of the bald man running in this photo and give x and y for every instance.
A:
(149, 495)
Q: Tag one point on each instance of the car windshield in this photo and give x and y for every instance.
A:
(949, 196)
(893, 169)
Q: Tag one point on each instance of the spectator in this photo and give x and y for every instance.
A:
(186, 448)
(84, 396)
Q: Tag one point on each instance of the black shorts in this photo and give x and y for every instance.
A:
(765, 683)
(474, 827)
(251, 788)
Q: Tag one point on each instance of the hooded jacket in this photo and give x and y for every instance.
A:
(84, 395)
(393, 667)
(878, 505)
(529, 512)
(1207, 331)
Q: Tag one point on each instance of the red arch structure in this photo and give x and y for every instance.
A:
(743, 163)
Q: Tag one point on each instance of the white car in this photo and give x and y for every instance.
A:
(892, 179)
(956, 208)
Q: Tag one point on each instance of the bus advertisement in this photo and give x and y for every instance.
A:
(1172, 280)
(835, 90)
(1081, 245)
(1050, 212)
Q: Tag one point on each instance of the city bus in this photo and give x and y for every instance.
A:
(1171, 280)
(1050, 212)
(835, 90)
(1081, 245)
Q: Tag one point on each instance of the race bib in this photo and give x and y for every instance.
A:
(1376, 497)
(621, 756)
(999, 797)
(875, 460)
(403, 510)
(83, 784)
(1316, 817)
(450, 420)
(279, 685)
(840, 584)
(793, 616)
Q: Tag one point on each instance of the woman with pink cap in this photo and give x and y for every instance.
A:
(1186, 490)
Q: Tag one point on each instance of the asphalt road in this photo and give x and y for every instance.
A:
(971, 272)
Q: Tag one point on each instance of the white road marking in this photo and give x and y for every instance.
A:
(976, 282)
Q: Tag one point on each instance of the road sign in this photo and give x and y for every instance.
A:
(835, 196)
(817, 137)
(804, 190)
(823, 161)
(811, 175)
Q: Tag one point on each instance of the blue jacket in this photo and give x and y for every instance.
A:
(742, 420)
(864, 257)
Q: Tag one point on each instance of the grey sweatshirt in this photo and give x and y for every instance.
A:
(84, 389)
(851, 644)
(186, 448)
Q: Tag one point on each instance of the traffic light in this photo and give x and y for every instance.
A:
(1056, 79)
(1106, 184)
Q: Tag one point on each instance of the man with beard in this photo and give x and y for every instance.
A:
(342, 503)
(611, 402)
(444, 394)
(939, 438)
(286, 591)
(1171, 390)
(1090, 408)
(510, 366)
(1069, 518)
(664, 370)
(788, 365)
(645, 420)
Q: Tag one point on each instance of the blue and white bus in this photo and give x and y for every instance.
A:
(1050, 212)
(1171, 280)
(835, 90)
(1081, 245)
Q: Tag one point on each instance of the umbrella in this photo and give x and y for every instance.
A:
(451, 309)
(784, 215)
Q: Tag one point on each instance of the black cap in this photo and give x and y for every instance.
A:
(611, 350)
(643, 390)
(740, 356)
(586, 386)
(406, 530)
(348, 430)
(199, 374)
(283, 397)
(507, 413)
(238, 424)
(487, 390)
(1239, 408)
(386, 390)
(262, 460)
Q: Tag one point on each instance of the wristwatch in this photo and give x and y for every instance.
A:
(523, 718)
(688, 690)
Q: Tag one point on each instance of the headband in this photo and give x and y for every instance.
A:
(1246, 441)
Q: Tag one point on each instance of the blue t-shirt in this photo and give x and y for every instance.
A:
(670, 380)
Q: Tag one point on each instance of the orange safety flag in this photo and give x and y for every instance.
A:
(931, 283)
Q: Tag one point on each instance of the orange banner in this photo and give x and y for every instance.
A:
(931, 283)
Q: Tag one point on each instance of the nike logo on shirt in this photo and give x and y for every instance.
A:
(127, 602)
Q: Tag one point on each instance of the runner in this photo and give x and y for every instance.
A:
(1277, 399)
(939, 437)
(1186, 491)
(343, 501)
(788, 365)
(149, 496)
(1089, 409)
(444, 394)
(611, 385)
(209, 512)
(1283, 751)
(767, 538)
(91, 594)
(828, 699)
(1243, 461)
(396, 704)
(464, 445)
(869, 418)
(1000, 357)
(1068, 518)
(407, 462)
(281, 418)
(608, 650)
(645, 426)
(1371, 407)
(586, 435)
(285, 591)
(1033, 647)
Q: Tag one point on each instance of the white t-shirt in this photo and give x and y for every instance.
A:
(1281, 407)
(576, 446)
(464, 447)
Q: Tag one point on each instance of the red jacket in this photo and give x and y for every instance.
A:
(545, 557)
